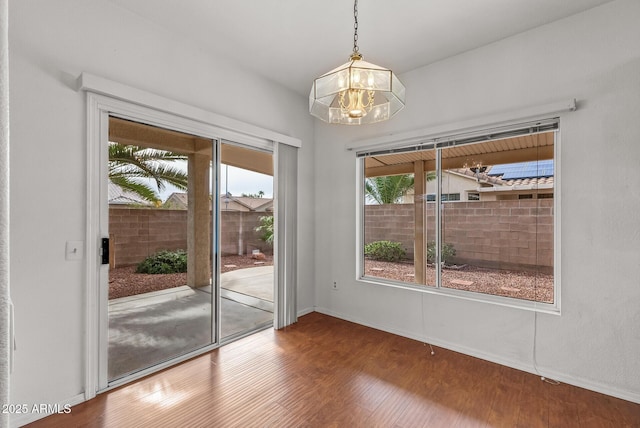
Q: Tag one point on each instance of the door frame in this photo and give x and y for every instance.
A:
(105, 98)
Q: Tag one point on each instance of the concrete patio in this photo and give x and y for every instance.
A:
(149, 328)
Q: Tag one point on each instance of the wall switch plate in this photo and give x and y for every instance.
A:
(74, 250)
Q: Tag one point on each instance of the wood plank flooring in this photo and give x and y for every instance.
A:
(325, 372)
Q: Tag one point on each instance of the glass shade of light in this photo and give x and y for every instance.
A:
(356, 79)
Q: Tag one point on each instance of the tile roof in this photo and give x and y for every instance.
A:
(179, 200)
(530, 181)
(514, 171)
(120, 196)
(517, 174)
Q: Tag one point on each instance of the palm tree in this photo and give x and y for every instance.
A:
(390, 189)
(129, 163)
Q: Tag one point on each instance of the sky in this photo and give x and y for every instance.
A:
(240, 181)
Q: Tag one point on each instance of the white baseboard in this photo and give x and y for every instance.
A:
(591, 385)
(306, 311)
(632, 396)
(18, 420)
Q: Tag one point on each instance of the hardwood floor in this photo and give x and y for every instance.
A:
(325, 372)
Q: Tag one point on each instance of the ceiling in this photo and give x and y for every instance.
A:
(294, 41)
(139, 134)
(524, 148)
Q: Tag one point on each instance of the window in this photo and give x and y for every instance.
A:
(445, 197)
(498, 242)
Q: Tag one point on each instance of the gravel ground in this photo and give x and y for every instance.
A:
(523, 285)
(125, 281)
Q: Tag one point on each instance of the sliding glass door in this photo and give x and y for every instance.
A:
(191, 232)
(188, 254)
(161, 300)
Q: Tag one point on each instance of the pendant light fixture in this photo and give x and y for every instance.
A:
(357, 92)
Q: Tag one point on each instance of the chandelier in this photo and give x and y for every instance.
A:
(357, 92)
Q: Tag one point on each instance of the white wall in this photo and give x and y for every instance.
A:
(595, 342)
(51, 43)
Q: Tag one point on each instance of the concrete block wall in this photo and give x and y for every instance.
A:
(509, 234)
(514, 234)
(136, 233)
(238, 235)
(390, 222)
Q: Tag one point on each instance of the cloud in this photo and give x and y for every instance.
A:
(240, 181)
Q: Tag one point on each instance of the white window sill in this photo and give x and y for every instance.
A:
(509, 302)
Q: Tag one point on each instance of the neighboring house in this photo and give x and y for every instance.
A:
(180, 201)
(253, 204)
(122, 198)
(176, 201)
(523, 180)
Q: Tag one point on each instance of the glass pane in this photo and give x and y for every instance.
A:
(389, 227)
(398, 224)
(160, 300)
(333, 82)
(246, 240)
(430, 230)
(497, 217)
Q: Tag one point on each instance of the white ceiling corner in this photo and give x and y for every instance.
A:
(294, 41)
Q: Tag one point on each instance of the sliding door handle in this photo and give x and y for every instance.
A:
(104, 251)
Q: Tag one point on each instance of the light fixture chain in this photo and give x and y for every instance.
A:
(355, 27)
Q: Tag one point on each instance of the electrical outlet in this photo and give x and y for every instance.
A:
(335, 285)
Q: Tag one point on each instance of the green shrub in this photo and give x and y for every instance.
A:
(385, 250)
(447, 252)
(266, 229)
(164, 262)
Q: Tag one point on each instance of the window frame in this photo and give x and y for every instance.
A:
(445, 197)
(438, 289)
